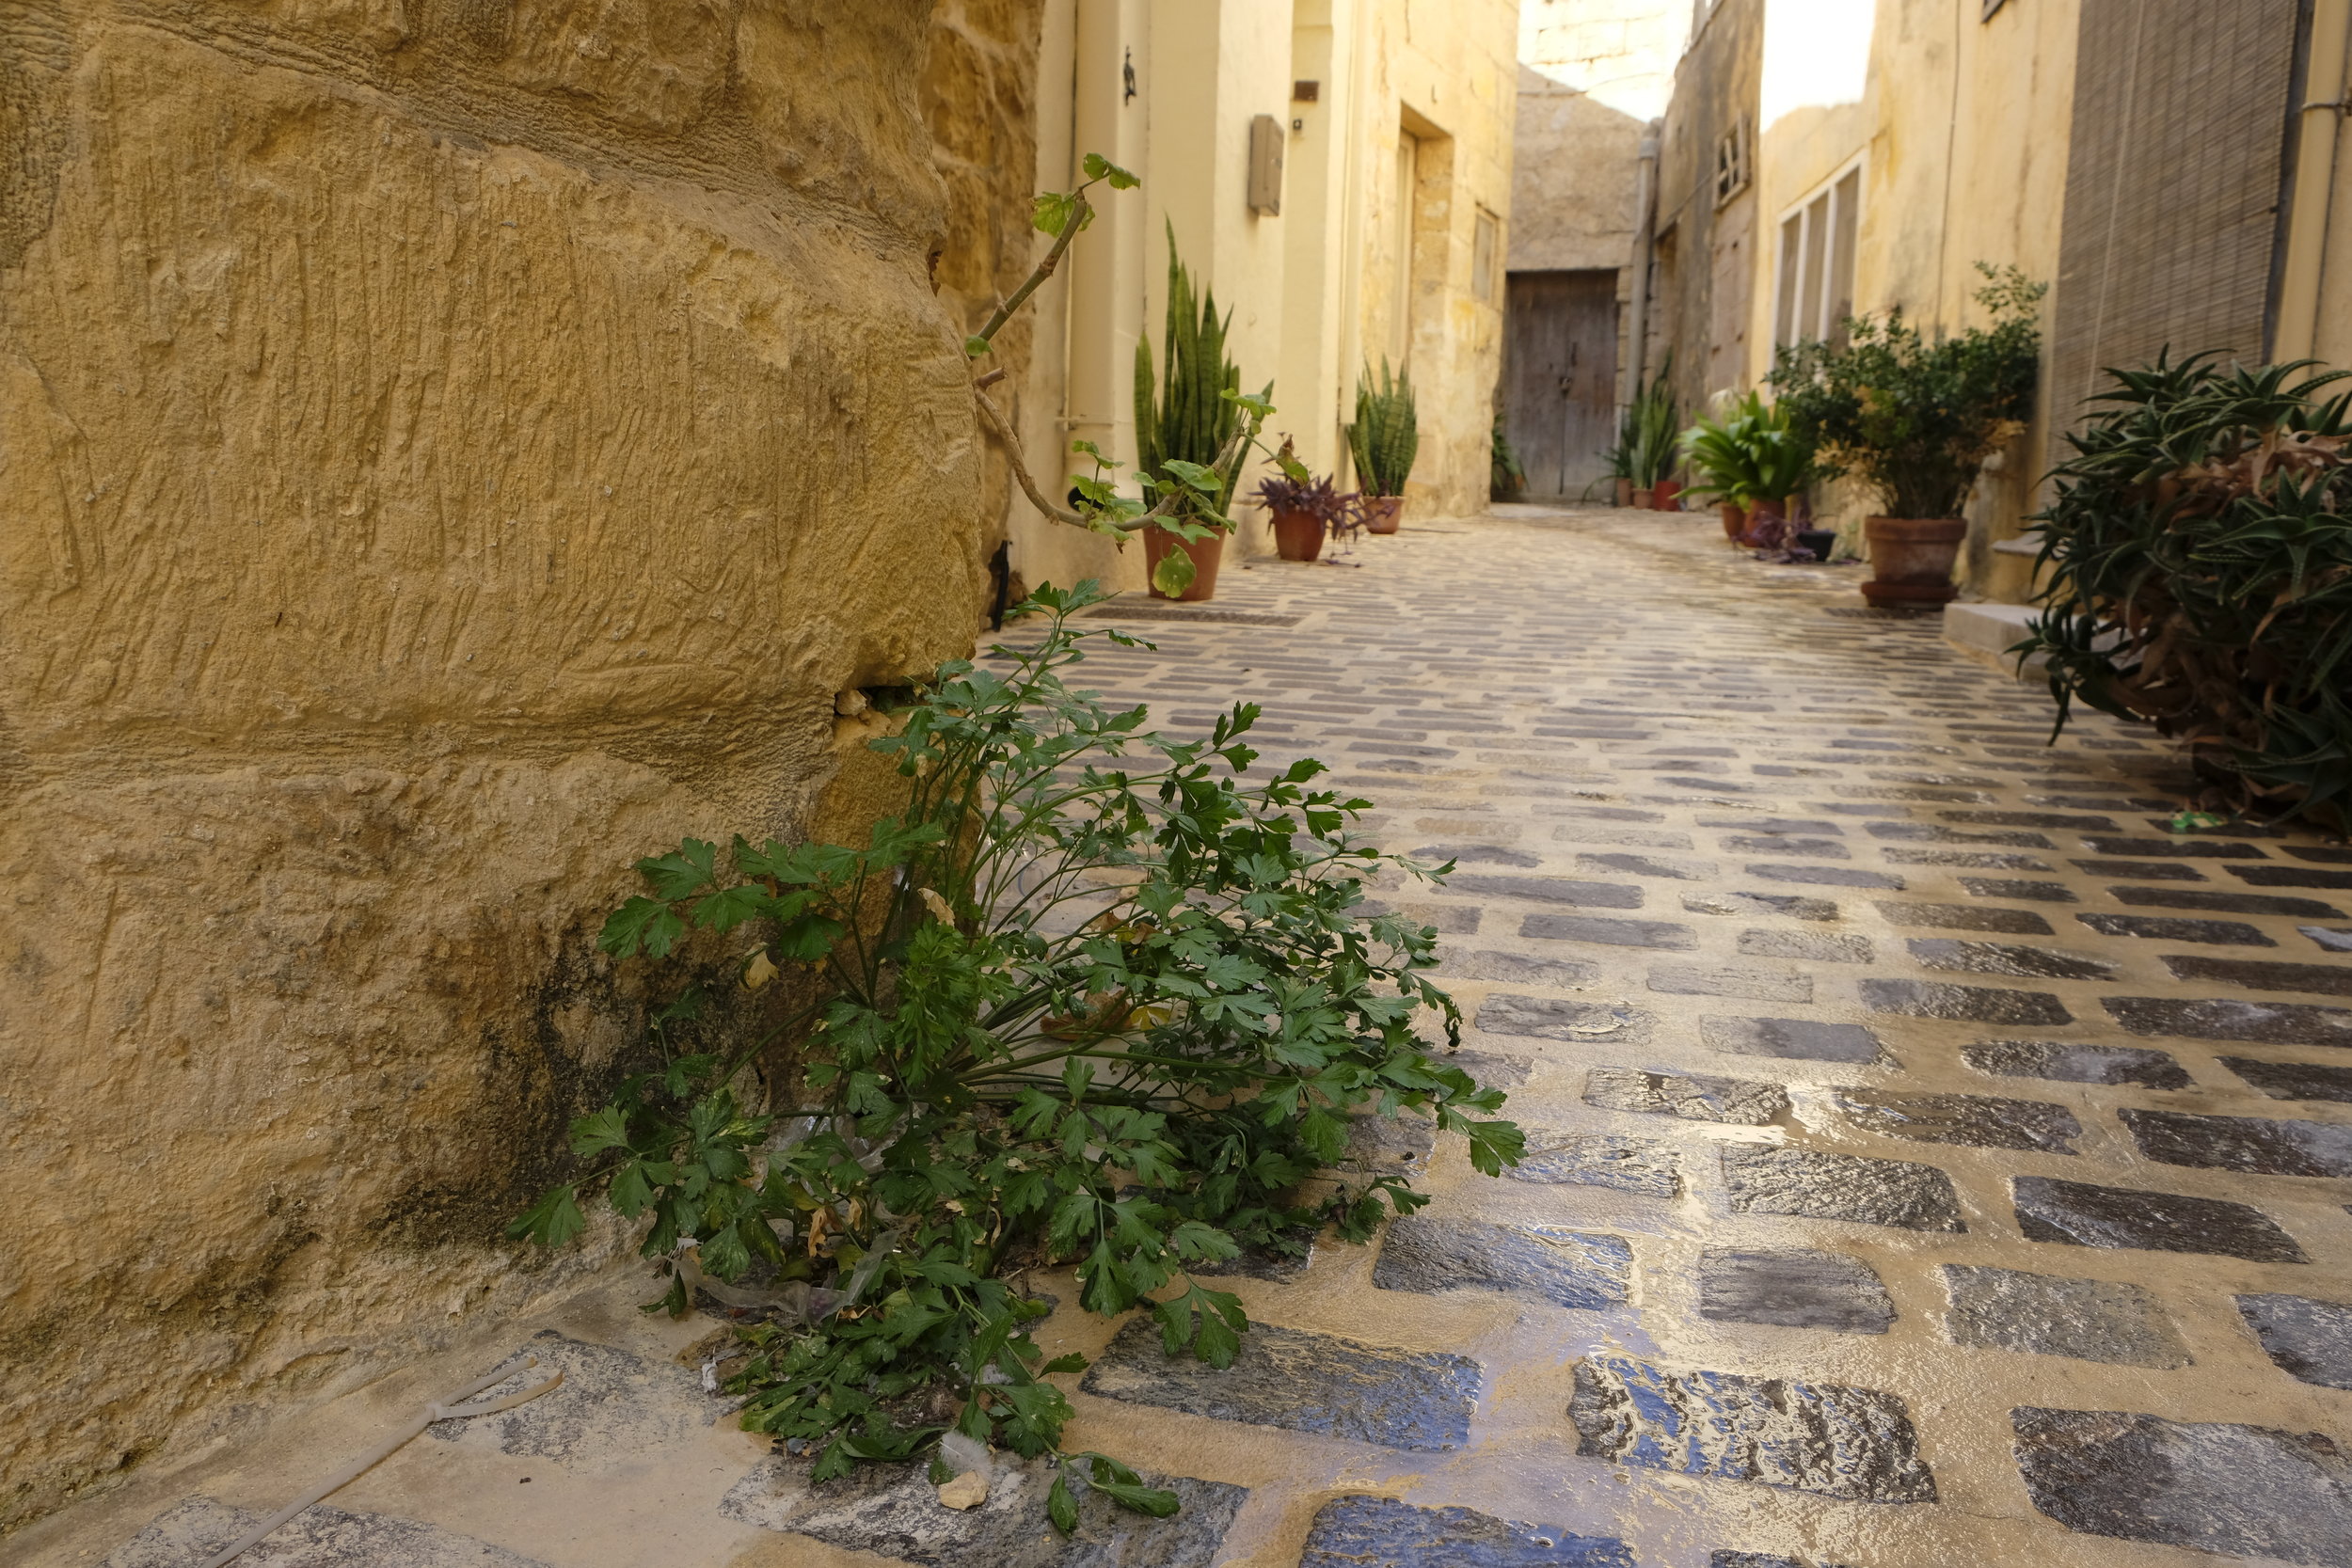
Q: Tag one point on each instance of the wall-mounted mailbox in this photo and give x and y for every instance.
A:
(1266, 165)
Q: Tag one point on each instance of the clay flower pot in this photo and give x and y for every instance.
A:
(1644, 499)
(1297, 535)
(1383, 513)
(1625, 492)
(1735, 519)
(1768, 525)
(1912, 559)
(1665, 497)
(1206, 554)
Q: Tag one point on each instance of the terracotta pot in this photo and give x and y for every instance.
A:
(1383, 513)
(1297, 535)
(1912, 559)
(1625, 492)
(1735, 519)
(1666, 497)
(1206, 554)
(1768, 525)
(1645, 501)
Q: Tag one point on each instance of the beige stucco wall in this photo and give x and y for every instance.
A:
(446, 452)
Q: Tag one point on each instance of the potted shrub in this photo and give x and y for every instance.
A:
(1506, 478)
(1651, 435)
(1752, 463)
(1186, 418)
(1304, 512)
(1384, 441)
(1916, 420)
(2200, 562)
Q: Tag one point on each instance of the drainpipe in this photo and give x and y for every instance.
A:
(1644, 244)
(2321, 120)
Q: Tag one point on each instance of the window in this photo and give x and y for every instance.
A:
(1483, 247)
(1816, 270)
(1731, 162)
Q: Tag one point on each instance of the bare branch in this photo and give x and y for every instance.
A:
(998, 422)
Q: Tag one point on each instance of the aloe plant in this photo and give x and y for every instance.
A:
(1386, 436)
(1748, 455)
(1182, 415)
(1650, 432)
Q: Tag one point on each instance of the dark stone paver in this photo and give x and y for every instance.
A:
(1642, 1165)
(1803, 1039)
(2335, 939)
(2077, 1062)
(1567, 1268)
(2256, 974)
(2144, 871)
(1693, 1097)
(1754, 985)
(1793, 1287)
(1981, 1121)
(2198, 849)
(2219, 933)
(1996, 957)
(2214, 1486)
(1554, 1018)
(1518, 969)
(1476, 854)
(2012, 887)
(2029, 819)
(1850, 1187)
(2041, 1314)
(1549, 889)
(1774, 844)
(1381, 1532)
(1966, 917)
(2222, 902)
(1968, 1004)
(191, 1531)
(1853, 1443)
(1647, 865)
(1419, 1401)
(1826, 875)
(1607, 933)
(2257, 1145)
(1974, 860)
(1820, 946)
(2308, 1339)
(2077, 1214)
(2293, 1080)
(1794, 906)
(894, 1512)
(2253, 1023)
(2289, 876)
(1403, 1140)
(1930, 832)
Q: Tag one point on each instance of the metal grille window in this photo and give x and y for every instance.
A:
(1816, 263)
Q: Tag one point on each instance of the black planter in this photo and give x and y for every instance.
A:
(1821, 541)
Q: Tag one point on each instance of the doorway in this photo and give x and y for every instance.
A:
(1560, 379)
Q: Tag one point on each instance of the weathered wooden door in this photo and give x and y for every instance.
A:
(1560, 377)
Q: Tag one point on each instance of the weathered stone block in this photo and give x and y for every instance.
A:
(1794, 906)
(1419, 1401)
(2011, 887)
(1966, 917)
(320, 1537)
(1693, 1097)
(2040, 1314)
(1605, 931)
(1827, 947)
(1826, 875)
(1969, 1004)
(2077, 1062)
(2223, 903)
(2322, 979)
(1793, 1287)
(1755, 985)
(1856, 1445)
(1647, 865)
(1550, 890)
(1804, 1038)
(1557, 1019)
(1981, 1121)
(2293, 1080)
(1850, 1187)
(1518, 969)
(1642, 1165)
(2309, 1339)
(2157, 927)
(2080, 1215)
(1381, 1532)
(2254, 1022)
(2256, 1145)
(1995, 958)
(1567, 1268)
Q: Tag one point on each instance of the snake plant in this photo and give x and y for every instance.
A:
(1387, 432)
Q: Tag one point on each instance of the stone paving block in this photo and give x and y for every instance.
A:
(2218, 933)
(1516, 967)
(1646, 866)
(1775, 827)
(1970, 1004)
(2077, 1062)
(190, 1532)
(2219, 829)
(2029, 820)
(1964, 917)
(2257, 1145)
(611, 1404)
(1418, 1400)
(1826, 875)
(1454, 920)
(1773, 844)
(1803, 1039)
(2335, 939)
(1794, 906)
(1693, 1097)
(1982, 859)
(1758, 985)
(1475, 854)
(1856, 1445)
(2289, 876)
(1976, 1121)
(1608, 814)
(2308, 1339)
(2193, 848)
(1406, 1139)
(1995, 958)
(2077, 1213)
(1491, 1068)
(2252, 1023)
(2331, 854)
(1554, 1018)
(1380, 1532)
(2041, 1314)
(2143, 871)
(2214, 1486)
(1605, 931)
(2293, 1080)
(1550, 890)
(1822, 946)
(1426, 1252)
(1793, 1287)
(1642, 1165)
(894, 1512)
(2224, 902)
(1812, 1186)
(2256, 974)
(1930, 833)
(1638, 838)
(2010, 887)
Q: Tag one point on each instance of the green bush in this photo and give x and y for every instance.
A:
(1187, 413)
(1386, 436)
(1915, 418)
(1748, 455)
(1649, 433)
(2199, 557)
(1094, 997)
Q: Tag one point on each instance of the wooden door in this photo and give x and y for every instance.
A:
(1560, 379)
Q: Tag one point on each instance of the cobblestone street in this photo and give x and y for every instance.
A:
(1935, 1161)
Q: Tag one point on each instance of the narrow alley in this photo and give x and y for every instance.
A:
(1933, 1158)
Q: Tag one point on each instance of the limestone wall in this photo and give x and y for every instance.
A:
(448, 448)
